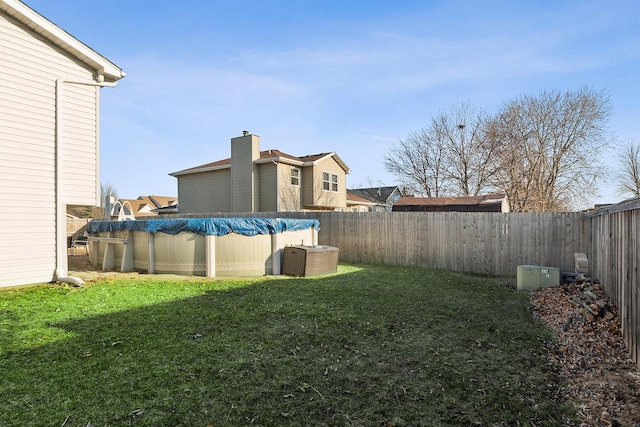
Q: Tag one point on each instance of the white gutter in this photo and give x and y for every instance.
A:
(62, 263)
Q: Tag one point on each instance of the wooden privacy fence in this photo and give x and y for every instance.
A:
(76, 228)
(471, 242)
(615, 260)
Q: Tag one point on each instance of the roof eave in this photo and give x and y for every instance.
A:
(279, 159)
(361, 203)
(192, 171)
(342, 164)
(65, 41)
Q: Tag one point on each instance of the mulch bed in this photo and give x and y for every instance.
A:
(603, 382)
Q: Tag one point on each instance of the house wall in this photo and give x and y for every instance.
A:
(393, 197)
(27, 149)
(205, 192)
(290, 195)
(308, 186)
(323, 198)
(268, 175)
(81, 143)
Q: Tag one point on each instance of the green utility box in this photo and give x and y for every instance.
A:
(534, 276)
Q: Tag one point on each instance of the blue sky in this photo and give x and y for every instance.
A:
(353, 77)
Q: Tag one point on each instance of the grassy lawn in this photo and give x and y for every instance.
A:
(369, 346)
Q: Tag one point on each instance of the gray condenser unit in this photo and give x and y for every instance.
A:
(534, 277)
(309, 260)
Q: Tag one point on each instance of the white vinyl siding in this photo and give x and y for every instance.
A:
(28, 96)
(80, 136)
(205, 192)
(28, 72)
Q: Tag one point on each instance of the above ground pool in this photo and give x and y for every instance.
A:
(212, 247)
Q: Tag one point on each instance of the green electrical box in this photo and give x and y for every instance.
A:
(534, 276)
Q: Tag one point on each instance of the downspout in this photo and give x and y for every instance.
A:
(62, 264)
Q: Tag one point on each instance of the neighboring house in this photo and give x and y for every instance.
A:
(164, 204)
(263, 181)
(358, 204)
(487, 203)
(49, 140)
(143, 206)
(382, 198)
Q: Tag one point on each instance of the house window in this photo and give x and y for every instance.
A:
(295, 176)
(329, 181)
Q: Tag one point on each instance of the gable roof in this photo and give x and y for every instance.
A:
(352, 199)
(139, 207)
(60, 38)
(267, 156)
(378, 195)
(160, 201)
(145, 206)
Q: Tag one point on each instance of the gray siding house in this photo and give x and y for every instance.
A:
(49, 140)
(381, 198)
(263, 181)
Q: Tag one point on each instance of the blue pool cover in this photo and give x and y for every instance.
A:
(207, 226)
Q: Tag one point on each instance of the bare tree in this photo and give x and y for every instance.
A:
(468, 149)
(369, 182)
(108, 190)
(549, 148)
(419, 162)
(629, 173)
(451, 156)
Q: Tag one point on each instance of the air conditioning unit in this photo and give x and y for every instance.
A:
(533, 277)
(309, 260)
